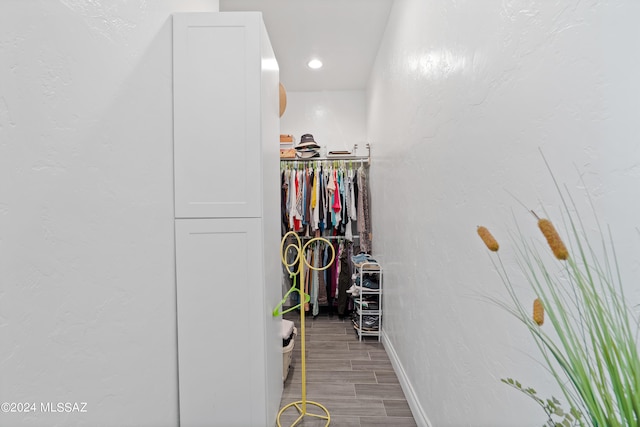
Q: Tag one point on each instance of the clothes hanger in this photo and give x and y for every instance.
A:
(307, 298)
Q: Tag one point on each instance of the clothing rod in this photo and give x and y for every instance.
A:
(325, 159)
(330, 237)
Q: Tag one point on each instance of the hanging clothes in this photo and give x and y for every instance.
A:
(308, 193)
(315, 280)
(344, 278)
(351, 205)
(364, 214)
(296, 205)
(336, 207)
(306, 279)
(315, 195)
(322, 283)
(322, 202)
(344, 219)
(326, 199)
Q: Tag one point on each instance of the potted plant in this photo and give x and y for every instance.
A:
(589, 342)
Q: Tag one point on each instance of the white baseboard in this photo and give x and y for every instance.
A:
(416, 409)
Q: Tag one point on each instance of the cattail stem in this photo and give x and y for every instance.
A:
(488, 239)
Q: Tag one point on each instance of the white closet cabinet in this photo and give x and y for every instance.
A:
(226, 170)
(217, 113)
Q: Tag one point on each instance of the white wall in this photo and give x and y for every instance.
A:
(336, 119)
(461, 98)
(87, 295)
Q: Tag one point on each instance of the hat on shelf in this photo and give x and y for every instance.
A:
(307, 154)
(306, 142)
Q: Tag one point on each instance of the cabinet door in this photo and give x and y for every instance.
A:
(221, 355)
(217, 111)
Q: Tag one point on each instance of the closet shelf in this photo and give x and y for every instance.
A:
(365, 291)
(368, 333)
(366, 311)
(325, 159)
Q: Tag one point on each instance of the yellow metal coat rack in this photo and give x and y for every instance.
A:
(300, 261)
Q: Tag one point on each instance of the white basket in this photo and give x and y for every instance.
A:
(287, 355)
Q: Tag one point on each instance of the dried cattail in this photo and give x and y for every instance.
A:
(488, 239)
(538, 312)
(553, 239)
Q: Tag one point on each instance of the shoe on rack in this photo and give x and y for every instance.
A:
(359, 257)
(370, 322)
(355, 324)
(369, 281)
(363, 304)
(370, 284)
(362, 258)
(370, 304)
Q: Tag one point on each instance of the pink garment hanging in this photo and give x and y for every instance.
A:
(336, 194)
(335, 270)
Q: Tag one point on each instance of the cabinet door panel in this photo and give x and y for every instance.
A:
(217, 133)
(220, 325)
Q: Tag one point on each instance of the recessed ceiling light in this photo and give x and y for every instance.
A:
(314, 64)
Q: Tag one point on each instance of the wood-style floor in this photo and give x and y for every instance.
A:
(353, 380)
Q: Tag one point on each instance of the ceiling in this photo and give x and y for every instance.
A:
(344, 34)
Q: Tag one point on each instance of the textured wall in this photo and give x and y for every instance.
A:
(461, 98)
(336, 119)
(87, 286)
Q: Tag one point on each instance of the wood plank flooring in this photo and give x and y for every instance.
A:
(354, 380)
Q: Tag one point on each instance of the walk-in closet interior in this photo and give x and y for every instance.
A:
(329, 199)
(262, 213)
